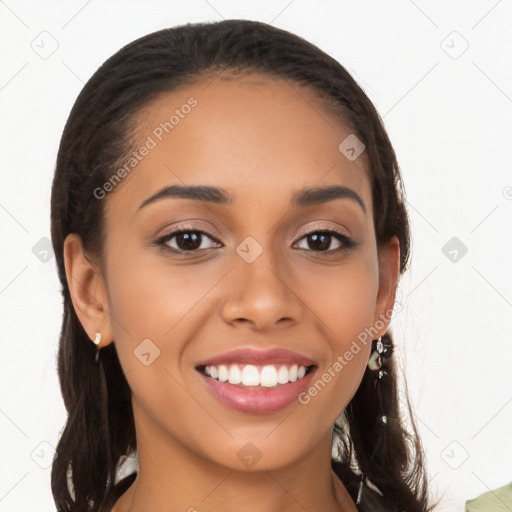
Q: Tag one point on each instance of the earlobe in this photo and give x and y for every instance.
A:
(87, 290)
(389, 272)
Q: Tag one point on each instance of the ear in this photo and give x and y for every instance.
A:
(87, 289)
(389, 271)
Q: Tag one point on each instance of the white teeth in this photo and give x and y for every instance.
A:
(293, 373)
(235, 375)
(223, 373)
(282, 375)
(267, 376)
(250, 376)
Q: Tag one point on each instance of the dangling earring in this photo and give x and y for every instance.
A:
(375, 360)
(96, 341)
(382, 349)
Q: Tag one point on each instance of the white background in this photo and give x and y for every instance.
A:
(448, 111)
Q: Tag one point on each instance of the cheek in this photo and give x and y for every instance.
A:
(344, 303)
(344, 299)
(156, 309)
(149, 297)
(150, 306)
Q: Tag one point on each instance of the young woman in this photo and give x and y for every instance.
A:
(229, 227)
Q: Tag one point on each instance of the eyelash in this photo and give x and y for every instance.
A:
(347, 243)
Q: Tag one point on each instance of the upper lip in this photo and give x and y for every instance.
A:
(258, 357)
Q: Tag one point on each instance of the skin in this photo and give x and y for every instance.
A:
(260, 140)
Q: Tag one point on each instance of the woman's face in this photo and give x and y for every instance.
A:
(264, 276)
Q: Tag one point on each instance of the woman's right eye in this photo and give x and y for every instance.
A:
(185, 240)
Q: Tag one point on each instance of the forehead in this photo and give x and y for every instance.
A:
(257, 137)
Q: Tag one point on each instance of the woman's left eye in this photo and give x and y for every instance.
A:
(322, 239)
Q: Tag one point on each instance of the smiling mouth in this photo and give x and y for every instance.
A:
(256, 377)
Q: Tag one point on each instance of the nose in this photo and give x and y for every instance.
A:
(263, 293)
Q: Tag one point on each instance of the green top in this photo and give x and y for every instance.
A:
(499, 500)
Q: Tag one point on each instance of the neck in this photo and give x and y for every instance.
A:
(172, 477)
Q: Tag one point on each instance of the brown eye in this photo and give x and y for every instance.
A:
(186, 240)
(321, 241)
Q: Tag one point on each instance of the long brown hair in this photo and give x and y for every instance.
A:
(97, 137)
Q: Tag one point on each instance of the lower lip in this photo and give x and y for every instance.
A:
(258, 401)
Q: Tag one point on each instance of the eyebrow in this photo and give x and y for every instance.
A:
(303, 197)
